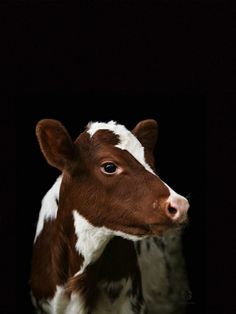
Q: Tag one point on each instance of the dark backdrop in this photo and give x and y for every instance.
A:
(126, 61)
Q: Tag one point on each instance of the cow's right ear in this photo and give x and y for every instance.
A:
(55, 143)
(146, 132)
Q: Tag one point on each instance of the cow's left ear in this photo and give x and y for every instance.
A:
(146, 132)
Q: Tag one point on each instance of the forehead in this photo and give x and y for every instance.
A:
(117, 135)
(112, 126)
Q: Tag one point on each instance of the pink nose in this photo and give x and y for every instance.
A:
(177, 208)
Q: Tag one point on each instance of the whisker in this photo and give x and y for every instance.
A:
(189, 196)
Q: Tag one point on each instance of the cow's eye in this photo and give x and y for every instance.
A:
(109, 168)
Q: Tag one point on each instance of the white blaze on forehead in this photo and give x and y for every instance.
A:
(127, 141)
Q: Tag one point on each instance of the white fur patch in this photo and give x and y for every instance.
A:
(91, 240)
(127, 140)
(49, 206)
(61, 303)
(76, 305)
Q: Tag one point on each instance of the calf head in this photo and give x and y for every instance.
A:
(109, 177)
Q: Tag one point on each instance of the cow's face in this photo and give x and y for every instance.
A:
(110, 179)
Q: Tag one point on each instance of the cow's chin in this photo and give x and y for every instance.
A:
(159, 230)
(133, 232)
(149, 230)
(146, 232)
(138, 232)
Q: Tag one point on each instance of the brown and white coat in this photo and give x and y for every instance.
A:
(106, 238)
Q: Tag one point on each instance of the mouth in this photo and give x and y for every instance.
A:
(153, 229)
(159, 229)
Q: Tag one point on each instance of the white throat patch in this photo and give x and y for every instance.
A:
(91, 240)
(127, 141)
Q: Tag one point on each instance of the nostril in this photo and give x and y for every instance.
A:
(172, 210)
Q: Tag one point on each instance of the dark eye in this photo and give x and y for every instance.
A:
(109, 168)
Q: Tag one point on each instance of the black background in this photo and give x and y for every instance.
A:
(127, 61)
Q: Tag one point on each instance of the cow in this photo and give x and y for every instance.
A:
(108, 238)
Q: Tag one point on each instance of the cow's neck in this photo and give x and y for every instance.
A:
(116, 264)
(92, 241)
(119, 260)
(106, 258)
